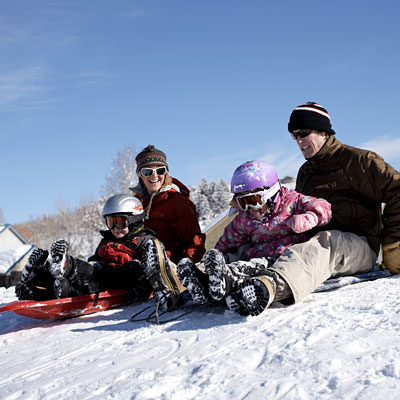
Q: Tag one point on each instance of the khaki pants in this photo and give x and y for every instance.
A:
(304, 266)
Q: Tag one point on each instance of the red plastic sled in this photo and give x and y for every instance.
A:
(70, 306)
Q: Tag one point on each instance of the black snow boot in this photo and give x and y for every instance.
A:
(36, 260)
(186, 270)
(221, 279)
(61, 265)
(253, 296)
(36, 283)
(161, 274)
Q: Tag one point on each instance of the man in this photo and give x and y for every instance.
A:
(357, 183)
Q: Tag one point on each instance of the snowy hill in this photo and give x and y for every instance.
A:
(342, 344)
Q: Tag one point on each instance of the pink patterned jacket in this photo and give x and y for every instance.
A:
(293, 215)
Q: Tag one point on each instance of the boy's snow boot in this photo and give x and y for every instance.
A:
(23, 291)
(36, 260)
(62, 288)
(33, 282)
(77, 280)
(61, 265)
(253, 297)
(187, 275)
(221, 279)
(162, 275)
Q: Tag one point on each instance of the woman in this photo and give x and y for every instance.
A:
(169, 211)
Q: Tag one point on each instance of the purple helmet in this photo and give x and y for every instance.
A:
(252, 175)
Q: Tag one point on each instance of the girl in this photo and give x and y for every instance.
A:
(270, 219)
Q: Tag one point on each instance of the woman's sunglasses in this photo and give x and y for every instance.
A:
(302, 133)
(146, 171)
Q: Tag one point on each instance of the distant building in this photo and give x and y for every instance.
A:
(14, 253)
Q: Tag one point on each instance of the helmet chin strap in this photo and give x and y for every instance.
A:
(273, 204)
(135, 228)
(276, 201)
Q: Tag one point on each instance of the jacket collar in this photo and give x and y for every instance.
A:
(174, 185)
(330, 147)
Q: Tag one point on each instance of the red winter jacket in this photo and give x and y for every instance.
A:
(174, 219)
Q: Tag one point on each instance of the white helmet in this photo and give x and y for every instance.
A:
(127, 205)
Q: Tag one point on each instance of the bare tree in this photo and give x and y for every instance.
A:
(122, 173)
(80, 226)
(2, 219)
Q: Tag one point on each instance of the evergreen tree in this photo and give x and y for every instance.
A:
(211, 199)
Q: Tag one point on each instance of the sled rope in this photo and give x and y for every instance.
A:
(96, 299)
(154, 316)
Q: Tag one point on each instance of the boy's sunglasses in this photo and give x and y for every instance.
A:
(146, 171)
(120, 221)
(301, 133)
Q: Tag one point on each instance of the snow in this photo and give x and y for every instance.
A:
(9, 257)
(342, 344)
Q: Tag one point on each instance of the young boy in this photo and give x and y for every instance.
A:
(128, 256)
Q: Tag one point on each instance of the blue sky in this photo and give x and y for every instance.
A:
(212, 83)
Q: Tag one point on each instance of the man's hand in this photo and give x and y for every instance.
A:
(391, 257)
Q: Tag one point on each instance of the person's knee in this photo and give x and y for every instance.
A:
(324, 238)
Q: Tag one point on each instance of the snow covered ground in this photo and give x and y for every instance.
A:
(343, 344)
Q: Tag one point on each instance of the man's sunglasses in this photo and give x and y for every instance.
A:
(146, 171)
(302, 133)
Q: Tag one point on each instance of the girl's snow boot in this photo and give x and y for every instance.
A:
(221, 279)
(186, 270)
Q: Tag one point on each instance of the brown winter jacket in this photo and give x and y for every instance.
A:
(356, 182)
(173, 217)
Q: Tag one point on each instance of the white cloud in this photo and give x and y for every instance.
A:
(387, 146)
(23, 87)
(93, 78)
(286, 164)
(222, 166)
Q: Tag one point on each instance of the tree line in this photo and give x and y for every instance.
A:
(80, 226)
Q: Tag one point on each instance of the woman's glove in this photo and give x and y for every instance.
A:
(391, 257)
(302, 222)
